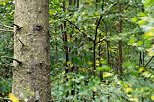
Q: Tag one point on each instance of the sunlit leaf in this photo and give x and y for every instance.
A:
(128, 89)
(152, 97)
(13, 98)
(3, 3)
(134, 99)
(141, 69)
(149, 34)
(142, 22)
(107, 74)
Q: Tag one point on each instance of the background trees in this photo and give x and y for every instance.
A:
(98, 49)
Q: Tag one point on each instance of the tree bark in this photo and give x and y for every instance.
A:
(31, 79)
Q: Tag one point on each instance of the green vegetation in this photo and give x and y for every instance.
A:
(101, 50)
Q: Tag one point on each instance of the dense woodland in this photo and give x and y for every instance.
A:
(100, 51)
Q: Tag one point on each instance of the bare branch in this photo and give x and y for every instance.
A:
(12, 59)
(6, 30)
(5, 25)
(4, 98)
(149, 61)
(84, 34)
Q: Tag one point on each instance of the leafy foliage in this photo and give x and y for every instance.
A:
(86, 36)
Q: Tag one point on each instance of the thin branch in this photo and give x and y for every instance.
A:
(97, 26)
(104, 11)
(101, 16)
(149, 61)
(12, 59)
(98, 23)
(4, 98)
(21, 42)
(6, 30)
(84, 34)
(105, 25)
(113, 26)
(6, 25)
(126, 7)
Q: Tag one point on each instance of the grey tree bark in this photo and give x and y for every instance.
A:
(31, 77)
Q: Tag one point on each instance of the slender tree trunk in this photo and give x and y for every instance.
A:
(143, 57)
(120, 43)
(65, 40)
(72, 68)
(66, 47)
(71, 32)
(78, 3)
(108, 52)
(31, 77)
(100, 56)
(56, 52)
(94, 58)
(100, 46)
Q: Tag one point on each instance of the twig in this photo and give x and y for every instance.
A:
(97, 26)
(21, 42)
(6, 30)
(12, 59)
(84, 34)
(6, 25)
(98, 23)
(105, 25)
(112, 26)
(104, 11)
(149, 61)
(4, 98)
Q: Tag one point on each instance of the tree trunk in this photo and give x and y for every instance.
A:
(120, 42)
(31, 77)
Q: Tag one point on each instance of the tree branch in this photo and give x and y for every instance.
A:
(4, 98)
(84, 34)
(149, 61)
(12, 59)
(97, 26)
(101, 16)
(5, 25)
(6, 30)
(104, 11)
